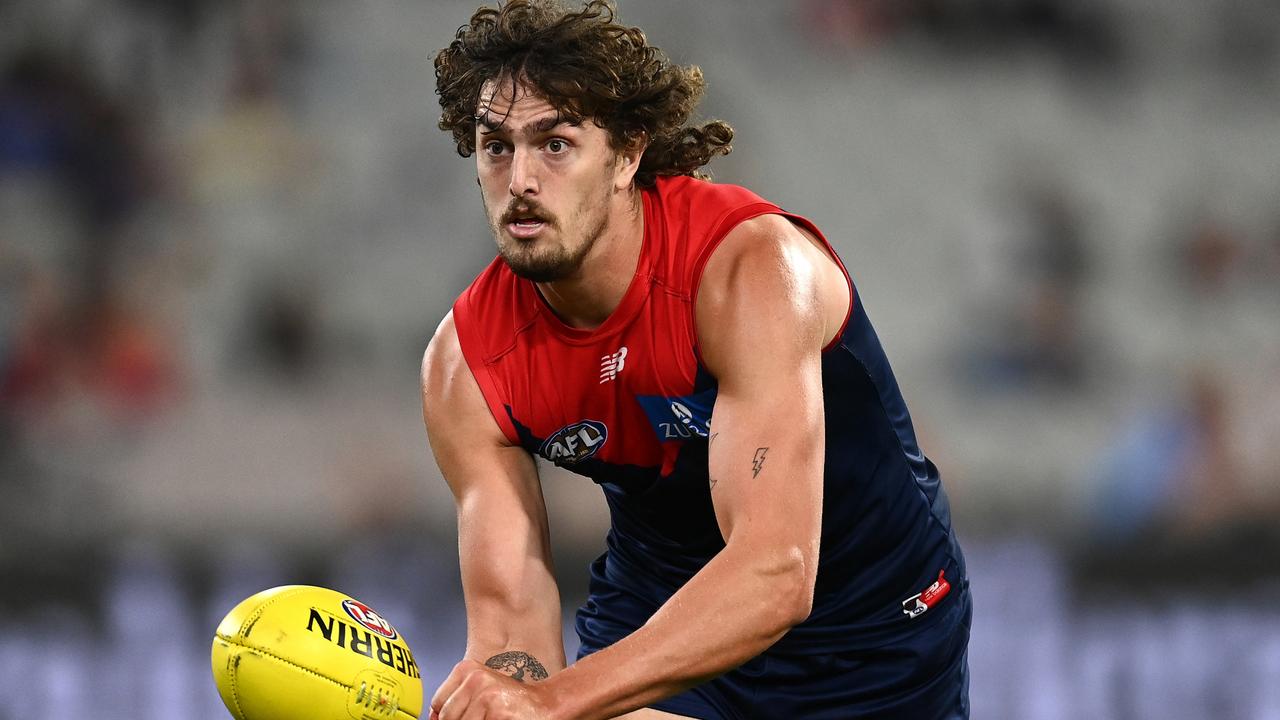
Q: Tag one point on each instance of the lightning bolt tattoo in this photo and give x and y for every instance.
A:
(758, 463)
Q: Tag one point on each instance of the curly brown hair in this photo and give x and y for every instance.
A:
(587, 66)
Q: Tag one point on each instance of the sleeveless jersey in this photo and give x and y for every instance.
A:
(628, 404)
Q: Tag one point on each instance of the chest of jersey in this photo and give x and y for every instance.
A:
(623, 399)
(628, 396)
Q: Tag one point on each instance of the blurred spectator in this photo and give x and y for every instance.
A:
(283, 333)
(76, 340)
(57, 123)
(1221, 296)
(1207, 491)
(84, 366)
(1211, 260)
(254, 148)
(1176, 469)
(252, 170)
(856, 23)
(1259, 438)
(1082, 34)
(36, 358)
(128, 361)
(1036, 336)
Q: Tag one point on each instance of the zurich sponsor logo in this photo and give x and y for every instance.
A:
(679, 418)
(574, 443)
(686, 418)
(369, 619)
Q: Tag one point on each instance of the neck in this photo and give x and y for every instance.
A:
(586, 299)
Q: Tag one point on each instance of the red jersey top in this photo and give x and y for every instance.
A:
(568, 394)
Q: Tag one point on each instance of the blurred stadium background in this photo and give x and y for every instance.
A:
(228, 229)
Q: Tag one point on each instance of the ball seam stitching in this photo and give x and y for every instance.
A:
(235, 690)
(240, 634)
(286, 661)
(257, 614)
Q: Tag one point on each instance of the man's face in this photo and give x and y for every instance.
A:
(547, 182)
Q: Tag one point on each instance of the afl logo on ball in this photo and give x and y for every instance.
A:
(369, 619)
(574, 443)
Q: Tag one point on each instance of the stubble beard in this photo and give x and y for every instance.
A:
(560, 258)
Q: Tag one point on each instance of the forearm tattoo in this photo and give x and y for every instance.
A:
(757, 464)
(517, 665)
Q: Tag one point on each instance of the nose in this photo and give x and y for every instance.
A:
(524, 175)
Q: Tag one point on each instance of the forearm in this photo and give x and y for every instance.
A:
(738, 605)
(512, 599)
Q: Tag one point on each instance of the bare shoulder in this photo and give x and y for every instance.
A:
(762, 245)
(771, 248)
(451, 396)
(768, 269)
(443, 356)
(444, 371)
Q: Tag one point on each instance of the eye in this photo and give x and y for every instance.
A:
(493, 147)
(557, 146)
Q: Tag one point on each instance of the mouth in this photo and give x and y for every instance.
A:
(524, 225)
(525, 229)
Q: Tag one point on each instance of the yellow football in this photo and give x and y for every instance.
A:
(306, 653)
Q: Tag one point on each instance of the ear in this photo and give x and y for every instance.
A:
(629, 163)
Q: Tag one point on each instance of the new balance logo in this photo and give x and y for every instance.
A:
(611, 365)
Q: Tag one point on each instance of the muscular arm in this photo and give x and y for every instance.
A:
(513, 603)
(766, 306)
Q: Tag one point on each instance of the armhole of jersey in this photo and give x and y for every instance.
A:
(727, 224)
(473, 353)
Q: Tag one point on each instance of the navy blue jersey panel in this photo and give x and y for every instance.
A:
(670, 530)
(886, 523)
(886, 530)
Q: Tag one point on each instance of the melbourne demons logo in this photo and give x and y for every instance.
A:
(574, 443)
(369, 619)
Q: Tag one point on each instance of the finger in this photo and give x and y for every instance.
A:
(455, 697)
(455, 707)
(448, 687)
(462, 705)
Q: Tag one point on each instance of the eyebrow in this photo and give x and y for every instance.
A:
(531, 128)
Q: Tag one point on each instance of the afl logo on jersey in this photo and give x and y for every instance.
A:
(574, 443)
(369, 619)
